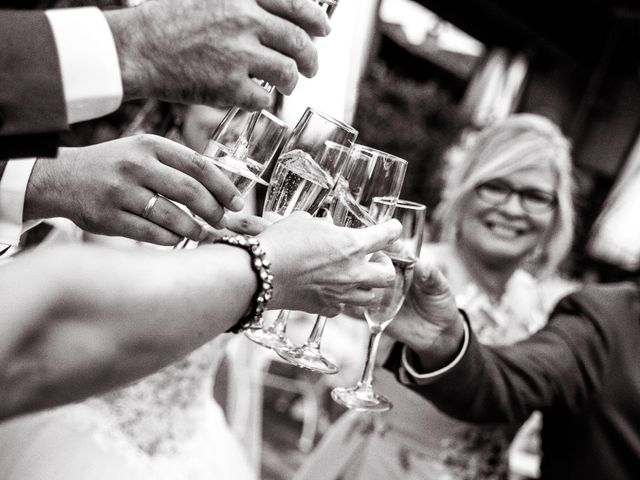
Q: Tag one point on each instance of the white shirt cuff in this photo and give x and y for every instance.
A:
(88, 62)
(13, 187)
(424, 378)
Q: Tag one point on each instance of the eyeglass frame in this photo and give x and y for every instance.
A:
(524, 195)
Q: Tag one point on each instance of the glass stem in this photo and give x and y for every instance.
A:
(315, 337)
(279, 325)
(372, 348)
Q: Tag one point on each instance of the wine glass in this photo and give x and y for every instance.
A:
(370, 173)
(328, 6)
(403, 253)
(246, 167)
(302, 179)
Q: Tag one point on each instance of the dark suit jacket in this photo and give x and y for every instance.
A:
(32, 106)
(582, 371)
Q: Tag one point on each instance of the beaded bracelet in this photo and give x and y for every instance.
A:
(261, 266)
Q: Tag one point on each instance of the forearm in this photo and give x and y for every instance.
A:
(110, 317)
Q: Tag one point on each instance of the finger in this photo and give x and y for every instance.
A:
(201, 169)
(168, 215)
(378, 274)
(360, 297)
(137, 228)
(277, 69)
(294, 43)
(307, 14)
(377, 237)
(428, 280)
(248, 95)
(245, 224)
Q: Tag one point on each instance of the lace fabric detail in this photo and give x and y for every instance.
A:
(161, 412)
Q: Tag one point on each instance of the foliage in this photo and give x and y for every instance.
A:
(414, 120)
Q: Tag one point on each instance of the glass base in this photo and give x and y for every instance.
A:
(268, 339)
(361, 399)
(309, 358)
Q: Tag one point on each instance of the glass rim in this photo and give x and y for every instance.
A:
(326, 116)
(375, 151)
(274, 118)
(399, 202)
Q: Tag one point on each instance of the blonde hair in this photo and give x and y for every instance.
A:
(519, 141)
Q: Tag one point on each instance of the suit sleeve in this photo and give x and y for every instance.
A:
(562, 366)
(32, 103)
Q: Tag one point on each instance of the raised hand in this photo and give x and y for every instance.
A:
(326, 265)
(207, 51)
(111, 188)
(429, 322)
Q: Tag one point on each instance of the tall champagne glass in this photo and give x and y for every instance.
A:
(370, 173)
(328, 6)
(303, 177)
(403, 253)
(244, 170)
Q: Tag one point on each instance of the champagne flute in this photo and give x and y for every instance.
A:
(403, 253)
(302, 179)
(370, 173)
(245, 168)
(328, 6)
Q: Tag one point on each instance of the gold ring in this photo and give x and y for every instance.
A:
(147, 208)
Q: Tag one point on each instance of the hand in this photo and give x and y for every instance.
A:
(206, 51)
(429, 322)
(237, 223)
(104, 189)
(317, 265)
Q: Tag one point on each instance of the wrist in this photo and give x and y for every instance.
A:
(127, 29)
(40, 196)
(444, 348)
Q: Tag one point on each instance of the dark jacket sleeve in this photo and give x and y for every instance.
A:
(562, 366)
(32, 106)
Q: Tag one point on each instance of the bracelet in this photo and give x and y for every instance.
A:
(261, 266)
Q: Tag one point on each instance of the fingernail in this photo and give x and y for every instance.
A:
(327, 26)
(203, 234)
(236, 204)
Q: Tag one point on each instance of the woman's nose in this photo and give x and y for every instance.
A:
(513, 205)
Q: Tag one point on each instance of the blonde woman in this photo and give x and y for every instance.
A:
(506, 222)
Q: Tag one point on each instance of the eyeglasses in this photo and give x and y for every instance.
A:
(498, 192)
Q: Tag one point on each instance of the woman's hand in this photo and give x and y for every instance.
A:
(317, 266)
(108, 189)
(429, 322)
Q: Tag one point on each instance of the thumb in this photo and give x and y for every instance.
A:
(428, 280)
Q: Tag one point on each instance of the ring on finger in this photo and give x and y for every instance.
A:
(150, 204)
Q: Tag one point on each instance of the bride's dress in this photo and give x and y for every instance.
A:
(166, 426)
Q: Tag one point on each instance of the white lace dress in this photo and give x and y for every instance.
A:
(164, 427)
(416, 441)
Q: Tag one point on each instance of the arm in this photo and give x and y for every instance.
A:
(32, 108)
(78, 320)
(75, 66)
(559, 367)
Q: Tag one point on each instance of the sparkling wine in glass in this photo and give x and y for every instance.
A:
(370, 173)
(302, 179)
(403, 253)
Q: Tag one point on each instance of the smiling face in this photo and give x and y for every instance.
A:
(506, 233)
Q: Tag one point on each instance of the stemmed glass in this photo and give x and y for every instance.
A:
(403, 253)
(302, 179)
(328, 6)
(244, 170)
(370, 173)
